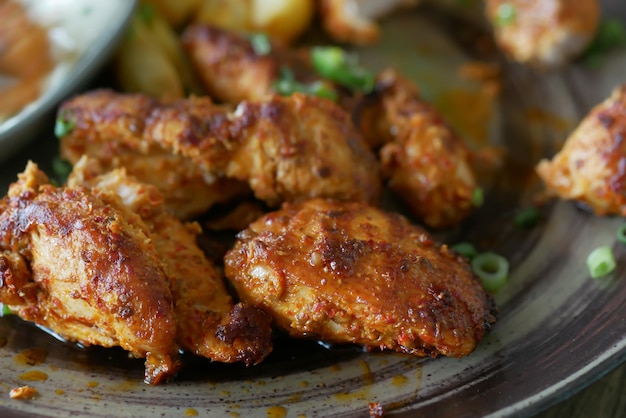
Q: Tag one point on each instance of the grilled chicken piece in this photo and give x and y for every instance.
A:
(284, 148)
(350, 273)
(590, 166)
(109, 127)
(425, 162)
(79, 266)
(545, 33)
(230, 69)
(354, 21)
(208, 323)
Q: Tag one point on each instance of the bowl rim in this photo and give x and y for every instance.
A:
(13, 131)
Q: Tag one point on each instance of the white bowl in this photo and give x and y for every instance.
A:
(90, 29)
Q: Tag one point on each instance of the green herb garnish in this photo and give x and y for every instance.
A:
(333, 63)
(505, 14)
(610, 35)
(61, 168)
(493, 270)
(527, 218)
(146, 13)
(286, 85)
(466, 249)
(260, 43)
(64, 124)
(478, 197)
(601, 262)
(621, 233)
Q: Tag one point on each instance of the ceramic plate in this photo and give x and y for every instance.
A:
(557, 330)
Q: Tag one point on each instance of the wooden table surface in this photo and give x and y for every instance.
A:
(605, 398)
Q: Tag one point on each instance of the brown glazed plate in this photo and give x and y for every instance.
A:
(558, 330)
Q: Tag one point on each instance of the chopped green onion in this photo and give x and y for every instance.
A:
(287, 85)
(61, 168)
(601, 261)
(5, 310)
(478, 197)
(260, 43)
(64, 124)
(527, 218)
(466, 249)
(610, 34)
(493, 270)
(621, 233)
(505, 14)
(146, 13)
(320, 89)
(334, 64)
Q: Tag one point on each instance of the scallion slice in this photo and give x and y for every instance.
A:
(286, 85)
(609, 35)
(334, 64)
(621, 233)
(65, 123)
(61, 168)
(260, 43)
(478, 197)
(4, 310)
(493, 270)
(466, 249)
(601, 262)
(505, 14)
(527, 218)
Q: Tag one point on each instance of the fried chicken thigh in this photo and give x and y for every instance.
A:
(284, 148)
(590, 166)
(77, 265)
(351, 273)
(208, 323)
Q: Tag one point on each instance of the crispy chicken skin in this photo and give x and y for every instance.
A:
(590, 168)
(284, 148)
(354, 21)
(345, 272)
(77, 265)
(208, 323)
(545, 33)
(425, 162)
(110, 127)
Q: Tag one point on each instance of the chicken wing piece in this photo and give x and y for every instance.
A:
(208, 323)
(284, 148)
(426, 163)
(354, 21)
(590, 166)
(545, 33)
(109, 127)
(350, 273)
(78, 266)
